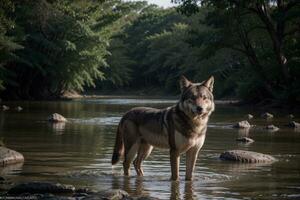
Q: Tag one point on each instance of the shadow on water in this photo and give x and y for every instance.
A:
(136, 186)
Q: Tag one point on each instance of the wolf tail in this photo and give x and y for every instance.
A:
(119, 146)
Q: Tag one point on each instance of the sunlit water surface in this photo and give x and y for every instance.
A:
(79, 152)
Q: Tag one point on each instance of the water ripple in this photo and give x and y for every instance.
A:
(114, 120)
(98, 121)
(130, 101)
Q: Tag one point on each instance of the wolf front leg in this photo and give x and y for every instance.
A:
(175, 159)
(191, 157)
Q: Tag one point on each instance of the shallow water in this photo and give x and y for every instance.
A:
(79, 152)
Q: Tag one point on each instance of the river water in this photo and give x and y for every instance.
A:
(79, 152)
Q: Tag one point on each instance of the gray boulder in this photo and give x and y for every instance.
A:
(242, 124)
(41, 187)
(245, 140)
(8, 156)
(246, 156)
(267, 115)
(55, 117)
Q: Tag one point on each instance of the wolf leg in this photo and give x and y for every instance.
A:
(131, 143)
(175, 159)
(144, 151)
(129, 156)
(191, 157)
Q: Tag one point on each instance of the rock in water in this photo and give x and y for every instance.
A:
(146, 198)
(267, 115)
(55, 117)
(41, 187)
(246, 156)
(294, 124)
(245, 140)
(8, 156)
(291, 116)
(116, 195)
(19, 108)
(242, 124)
(4, 107)
(249, 116)
(272, 128)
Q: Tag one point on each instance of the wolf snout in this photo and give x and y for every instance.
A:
(199, 109)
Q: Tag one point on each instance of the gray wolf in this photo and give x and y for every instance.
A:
(180, 128)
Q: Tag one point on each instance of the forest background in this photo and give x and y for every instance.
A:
(50, 47)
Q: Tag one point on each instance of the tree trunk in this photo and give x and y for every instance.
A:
(276, 32)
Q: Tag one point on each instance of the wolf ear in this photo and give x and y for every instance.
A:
(209, 83)
(184, 83)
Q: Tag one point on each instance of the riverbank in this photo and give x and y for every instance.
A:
(267, 105)
(135, 95)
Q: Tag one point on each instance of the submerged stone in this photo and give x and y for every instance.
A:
(57, 191)
(242, 124)
(245, 140)
(8, 156)
(249, 116)
(146, 198)
(291, 116)
(246, 156)
(19, 108)
(4, 107)
(272, 128)
(116, 195)
(41, 187)
(55, 117)
(267, 115)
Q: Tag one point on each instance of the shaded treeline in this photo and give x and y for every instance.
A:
(52, 46)
(251, 47)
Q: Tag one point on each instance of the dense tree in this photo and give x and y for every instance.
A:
(8, 44)
(266, 33)
(136, 38)
(48, 47)
(64, 45)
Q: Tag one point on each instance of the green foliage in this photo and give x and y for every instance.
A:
(139, 41)
(49, 47)
(8, 44)
(65, 45)
(261, 32)
(118, 73)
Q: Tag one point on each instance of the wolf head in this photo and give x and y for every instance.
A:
(197, 99)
